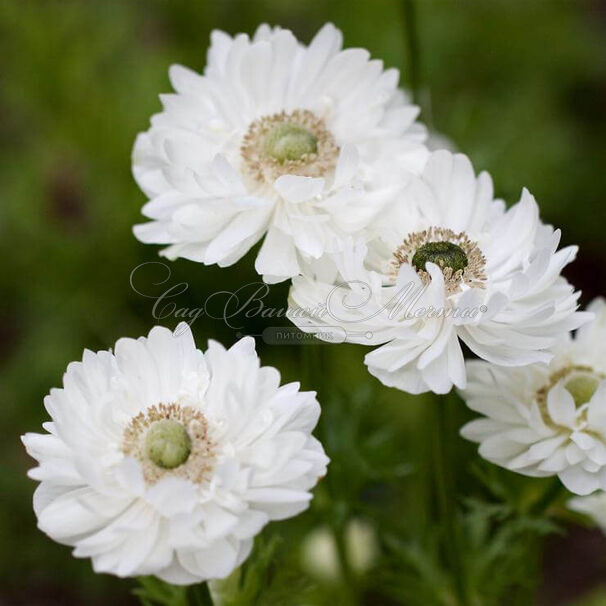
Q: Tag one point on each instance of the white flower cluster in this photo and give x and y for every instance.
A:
(161, 459)
(316, 150)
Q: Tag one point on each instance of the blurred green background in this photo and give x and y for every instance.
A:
(519, 85)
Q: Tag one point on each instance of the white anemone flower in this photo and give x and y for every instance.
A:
(163, 460)
(449, 264)
(300, 144)
(545, 420)
(593, 506)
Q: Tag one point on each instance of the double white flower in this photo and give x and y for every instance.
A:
(544, 420)
(448, 264)
(164, 460)
(302, 145)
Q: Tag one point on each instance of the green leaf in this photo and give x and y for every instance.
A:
(154, 592)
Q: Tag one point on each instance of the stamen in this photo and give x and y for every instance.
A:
(460, 259)
(169, 439)
(295, 143)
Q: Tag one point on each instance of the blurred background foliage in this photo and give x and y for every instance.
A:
(519, 85)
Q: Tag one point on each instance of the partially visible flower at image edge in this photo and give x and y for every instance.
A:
(546, 420)
(299, 145)
(164, 460)
(593, 506)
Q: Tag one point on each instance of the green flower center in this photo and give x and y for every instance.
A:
(582, 387)
(167, 444)
(288, 141)
(443, 254)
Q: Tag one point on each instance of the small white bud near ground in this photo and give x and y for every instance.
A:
(319, 555)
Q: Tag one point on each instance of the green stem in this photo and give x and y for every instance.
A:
(349, 579)
(312, 358)
(444, 467)
(525, 593)
(412, 48)
(316, 360)
(552, 493)
(201, 595)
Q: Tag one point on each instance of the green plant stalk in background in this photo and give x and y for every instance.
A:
(444, 475)
(154, 592)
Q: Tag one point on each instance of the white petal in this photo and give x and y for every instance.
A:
(297, 189)
(561, 406)
(277, 259)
